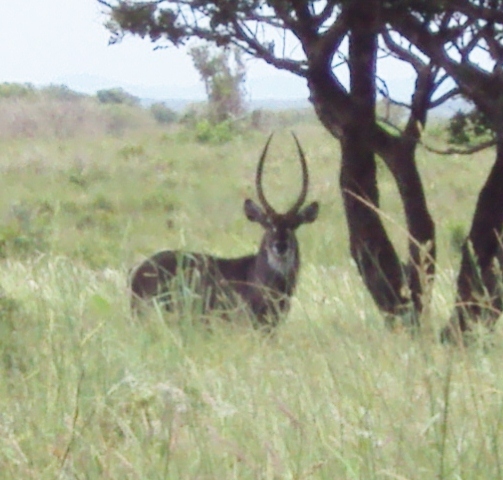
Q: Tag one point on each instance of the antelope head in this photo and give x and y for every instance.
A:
(279, 241)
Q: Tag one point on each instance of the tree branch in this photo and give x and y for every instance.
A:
(468, 8)
(473, 81)
(461, 151)
(251, 45)
(322, 49)
(325, 14)
(444, 97)
(401, 53)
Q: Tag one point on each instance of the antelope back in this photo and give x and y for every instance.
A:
(171, 276)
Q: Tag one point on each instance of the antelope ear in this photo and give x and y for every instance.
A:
(253, 212)
(309, 214)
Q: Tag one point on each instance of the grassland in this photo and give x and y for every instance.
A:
(87, 391)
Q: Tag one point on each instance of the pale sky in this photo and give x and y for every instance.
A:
(65, 42)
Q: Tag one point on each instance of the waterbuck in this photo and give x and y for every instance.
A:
(262, 283)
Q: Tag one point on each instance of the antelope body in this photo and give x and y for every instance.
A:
(263, 282)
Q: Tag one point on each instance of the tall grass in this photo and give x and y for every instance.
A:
(88, 391)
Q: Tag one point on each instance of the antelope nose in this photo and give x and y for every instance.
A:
(280, 247)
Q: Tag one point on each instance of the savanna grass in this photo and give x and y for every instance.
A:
(88, 391)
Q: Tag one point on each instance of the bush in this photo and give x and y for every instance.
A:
(27, 90)
(17, 90)
(206, 132)
(162, 113)
(62, 93)
(117, 96)
(465, 127)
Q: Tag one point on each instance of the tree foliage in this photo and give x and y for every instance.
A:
(223, 73)
(466, 127)
(162, 113)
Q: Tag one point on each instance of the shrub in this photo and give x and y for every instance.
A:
(17, 90)
(117, 96)
(61, 92)
(465, 127)
(162, 113)
(206, 132)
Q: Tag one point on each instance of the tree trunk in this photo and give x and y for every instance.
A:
(370, 245)
(351, 118)
(401, 161)
(479, 295)
(420, 226)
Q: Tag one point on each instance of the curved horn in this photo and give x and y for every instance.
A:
(258, 179)
(305, 178)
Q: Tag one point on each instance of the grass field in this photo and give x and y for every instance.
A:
(87, 391)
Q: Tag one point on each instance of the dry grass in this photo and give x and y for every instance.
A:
(83, 117)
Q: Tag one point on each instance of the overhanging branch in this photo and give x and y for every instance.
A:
(461, 151)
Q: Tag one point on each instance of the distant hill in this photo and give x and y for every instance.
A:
(446, 110)
(276, 92)
(179, 105)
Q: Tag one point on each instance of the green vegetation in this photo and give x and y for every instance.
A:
(162, 113)
(223, 73)
(221, 132)
(468, 126)
(117, 96)
(87, 391)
